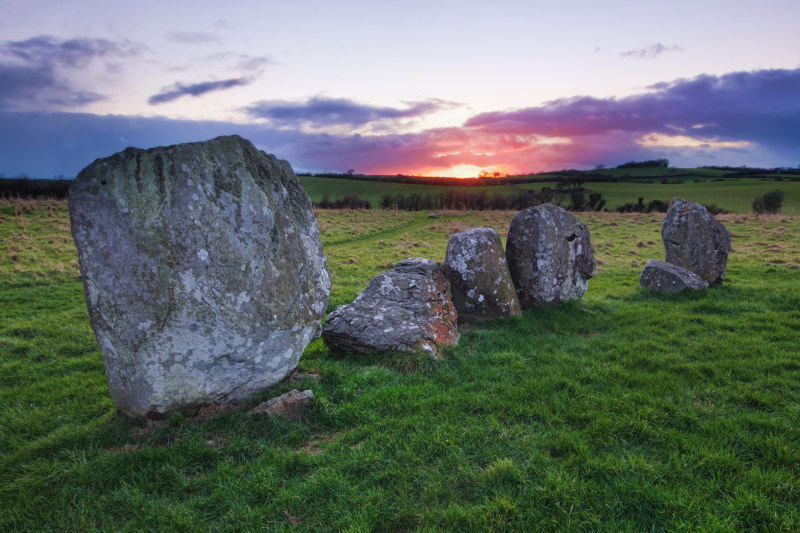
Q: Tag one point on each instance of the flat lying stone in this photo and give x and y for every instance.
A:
(549, 256)
(666, 277)
(694, 239)
(475, 265)
(291, 405)
(407, 309)
(203, 268)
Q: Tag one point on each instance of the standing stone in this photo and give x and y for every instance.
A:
(475, 265)
(203, 268)
(666, 277)
(407, 309)
(549, 256)
(694, 239)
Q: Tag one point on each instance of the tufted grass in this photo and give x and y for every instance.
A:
(624, 411)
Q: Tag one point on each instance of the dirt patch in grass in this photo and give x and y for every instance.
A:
(123, 448)
(313, 446)
(213, 410)
(151, 427)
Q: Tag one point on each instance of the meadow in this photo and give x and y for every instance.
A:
(700, 185)
(624, 411)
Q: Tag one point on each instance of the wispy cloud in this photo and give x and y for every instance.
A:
(240, 62)
(179, 90)
(78, 52)
(252, 63)
(652, 51)
(325, 112)
(192, 37)
(37, 72)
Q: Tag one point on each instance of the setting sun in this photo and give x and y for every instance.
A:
(468, 171)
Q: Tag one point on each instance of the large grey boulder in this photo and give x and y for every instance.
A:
(475, 265)
(666, 277)
(549, 256)
(407, 309)
(203, 268)
(694, 239)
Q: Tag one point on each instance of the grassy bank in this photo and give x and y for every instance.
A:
(623, 411)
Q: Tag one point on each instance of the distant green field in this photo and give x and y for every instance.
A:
(735, 195)
(370, 190)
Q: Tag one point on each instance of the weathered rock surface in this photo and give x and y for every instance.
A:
(666, 277)
(203, 268)
(475, 265)
(694, 239)
(407, 309)
(291, 405)
(549, 256)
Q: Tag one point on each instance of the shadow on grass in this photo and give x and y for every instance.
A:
(403, 363)
(728, 297)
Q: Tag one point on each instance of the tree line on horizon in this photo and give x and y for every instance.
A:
(570, 195)
(25, 187)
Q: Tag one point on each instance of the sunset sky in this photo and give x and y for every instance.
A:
(431, 87)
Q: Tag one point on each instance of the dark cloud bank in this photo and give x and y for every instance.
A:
(731, 106)
(758, 110)
(759, 107)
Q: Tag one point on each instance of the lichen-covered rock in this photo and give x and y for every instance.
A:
(203, 268)
(549, 256)
(694, 239)
(291, 405)
(475, 265)
(666, 277)
(407, 309)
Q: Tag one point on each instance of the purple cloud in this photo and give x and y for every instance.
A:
(195, 89)
(760, 106)
(743, 118)
(35, 72)
(321, 111)
(652, 51)
(78, 52)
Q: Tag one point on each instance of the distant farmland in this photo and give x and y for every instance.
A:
(730, 189)
(726, 189)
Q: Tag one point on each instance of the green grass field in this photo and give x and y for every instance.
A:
(623, 411)
(734, 195)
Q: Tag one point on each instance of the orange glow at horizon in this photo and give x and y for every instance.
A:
(466, 171)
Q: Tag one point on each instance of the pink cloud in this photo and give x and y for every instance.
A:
(743, 118)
